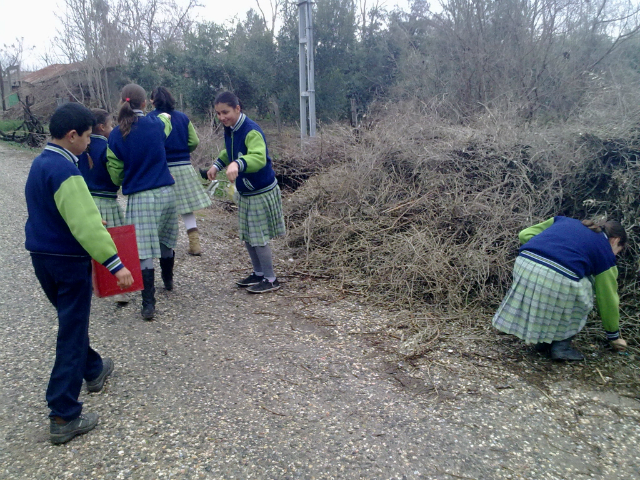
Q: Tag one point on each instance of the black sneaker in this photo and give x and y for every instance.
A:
(542, 348)
(97, 384)
(63, 433)
(265, 286)
(252, 279)
(563, 350)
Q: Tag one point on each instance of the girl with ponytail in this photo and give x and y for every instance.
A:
(190, 195)
(560, 264)
(137, 161)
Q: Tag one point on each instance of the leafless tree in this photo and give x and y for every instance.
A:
(151, 23)
(527, 54)
(90, 35)
(365, 9)
(10, 56)
(98, 34)
(275, 7)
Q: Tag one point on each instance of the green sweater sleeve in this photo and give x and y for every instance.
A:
(256, 156)
(193, 140)
(528, 233)
(115, 167)
(79, 211)
(222, 161)
(607, 299)
(167, 124)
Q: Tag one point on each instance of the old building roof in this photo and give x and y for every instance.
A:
(51, 71)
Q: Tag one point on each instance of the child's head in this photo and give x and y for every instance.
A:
(68, 117)
(103, 125)
(133, 97)
(162, 99)
(227, 108)
(70, 126)
(615, 232)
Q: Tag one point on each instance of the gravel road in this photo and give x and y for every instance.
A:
(296, 384)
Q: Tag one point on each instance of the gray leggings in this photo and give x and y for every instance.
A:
(165, 252)
(261, 259)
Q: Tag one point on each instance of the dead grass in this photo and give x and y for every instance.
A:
(422, 215)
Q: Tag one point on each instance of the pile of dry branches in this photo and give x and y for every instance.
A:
(415, 212)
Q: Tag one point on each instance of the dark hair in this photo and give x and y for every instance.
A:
(162, 99)
(611, 228)
(228, 98)
(132, 97)
(70, 116)
(101, 116)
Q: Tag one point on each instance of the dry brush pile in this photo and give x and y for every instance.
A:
(423, 215)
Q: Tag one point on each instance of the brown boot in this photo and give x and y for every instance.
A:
(194, 242)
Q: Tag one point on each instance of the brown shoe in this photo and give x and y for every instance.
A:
(194, 242)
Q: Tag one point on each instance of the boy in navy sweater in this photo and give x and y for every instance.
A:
(64, 231)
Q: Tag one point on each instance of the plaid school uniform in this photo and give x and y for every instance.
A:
(190, 195)
(542, 305)
(153, 212)
(110, 211)
(260, 217)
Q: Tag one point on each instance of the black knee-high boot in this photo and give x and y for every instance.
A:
(166, 267)
(148, 294)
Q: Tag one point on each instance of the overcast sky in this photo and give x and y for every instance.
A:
(35, 21)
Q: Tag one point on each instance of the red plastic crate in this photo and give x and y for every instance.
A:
(104, 283)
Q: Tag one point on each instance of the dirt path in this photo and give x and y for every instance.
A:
(297, 384)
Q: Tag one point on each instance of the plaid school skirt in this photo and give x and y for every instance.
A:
(542, 305)
(153, 212)
(260, 217)
(110, 211)
(190, 195)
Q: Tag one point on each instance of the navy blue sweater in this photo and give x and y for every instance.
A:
(182, 140)
(573, 250)
(572, 245)
(63, 218)
(97, 177)
(246, 145)
(138, 162)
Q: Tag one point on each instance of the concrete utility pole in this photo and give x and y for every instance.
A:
(4, 105)
(307, 82)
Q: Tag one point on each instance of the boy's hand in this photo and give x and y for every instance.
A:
(619, 344)
(125, 279)
(165, 114)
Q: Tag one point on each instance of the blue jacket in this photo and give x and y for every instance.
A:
(97, 177)
(246, 145)
(182, 140)
(573, 246)
(63, 218)
(138, 162)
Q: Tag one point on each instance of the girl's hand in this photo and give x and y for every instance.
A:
(619, 344)
(212, 172)
(165, 114)
(232, 171)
